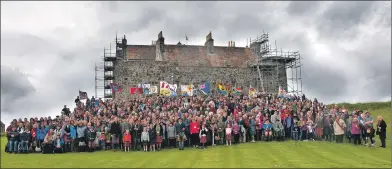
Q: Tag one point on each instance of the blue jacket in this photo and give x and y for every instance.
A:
(41, 133)
(61, 142)
(72, 132)
(267, 126)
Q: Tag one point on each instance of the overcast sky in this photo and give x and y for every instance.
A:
(48, 49)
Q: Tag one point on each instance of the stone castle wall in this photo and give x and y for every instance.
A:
(130, 73)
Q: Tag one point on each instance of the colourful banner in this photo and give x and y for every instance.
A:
(116, 87)
(136, 90)
(205, 88)
(252, 92)
(221, 89)
(167, 89)
(237, 91)
(187, 90)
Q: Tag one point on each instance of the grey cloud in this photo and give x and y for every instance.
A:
(341, 19)
(14, 86)
(23, 44)
(301, 8)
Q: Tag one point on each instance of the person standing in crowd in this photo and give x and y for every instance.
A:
(381, 130)
(158, 130)
(203, 136)
(171, 135)
(127, 140)
(368, 124)
(145, 138)
(152, 134)
(194, 131)
(327, 128)
(91, 136)
(356, 131)
(228, 133)
(339, 127)
(115, 132)
(81, 136)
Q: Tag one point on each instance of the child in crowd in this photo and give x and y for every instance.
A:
(267, 127)
(91, 135)
(228, 134)
(310, 131)
(102, 141)
(58, 144)
(203, 136)
(127, 140)
(236, 132)
(145, 139)
(295, 130)
(108, 138)
(181, 139)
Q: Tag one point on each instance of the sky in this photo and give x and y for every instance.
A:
(49, 49)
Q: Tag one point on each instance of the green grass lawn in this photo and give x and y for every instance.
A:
(286, 154)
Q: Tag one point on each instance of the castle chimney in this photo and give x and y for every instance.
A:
(233, 43)
(124, 47)
(228, 44)
(209, 44)
(160, 47)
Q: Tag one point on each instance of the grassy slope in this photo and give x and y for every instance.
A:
(251, 155)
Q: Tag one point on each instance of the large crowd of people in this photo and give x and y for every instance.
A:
(154, 123)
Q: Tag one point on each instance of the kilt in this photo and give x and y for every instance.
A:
(115, 140)
(67, 139)
(228, 137)
(319, 131)
(203, 139)
(159, 140)
(144, 142)
(126, 144)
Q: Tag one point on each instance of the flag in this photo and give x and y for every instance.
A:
(221, 89)
(237, 90)
(186, 37)
(136, 90)
(252, 92)
(82, 95)
(167, 89)
(187, 90)
(153, 89)
(145, 88)
(115, 87)
(205, 88)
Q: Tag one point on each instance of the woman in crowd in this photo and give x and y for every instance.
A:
(381, 130)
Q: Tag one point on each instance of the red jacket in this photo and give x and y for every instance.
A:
(33, 133)
(194, 127)
(127, 137)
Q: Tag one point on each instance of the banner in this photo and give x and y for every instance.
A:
(153, 89)
(205, 88)
(167, 89)
(136, 90)
(187, 90)
(252, 92)
(221, 89)
(237, 91)
(115, 87)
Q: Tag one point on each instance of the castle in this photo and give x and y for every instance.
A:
(192, 64)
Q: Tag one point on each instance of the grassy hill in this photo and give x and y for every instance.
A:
(286, 154)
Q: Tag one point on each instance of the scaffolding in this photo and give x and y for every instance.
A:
(275, 68)
(99, 80)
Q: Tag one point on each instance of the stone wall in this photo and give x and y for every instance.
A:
(130, 73)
